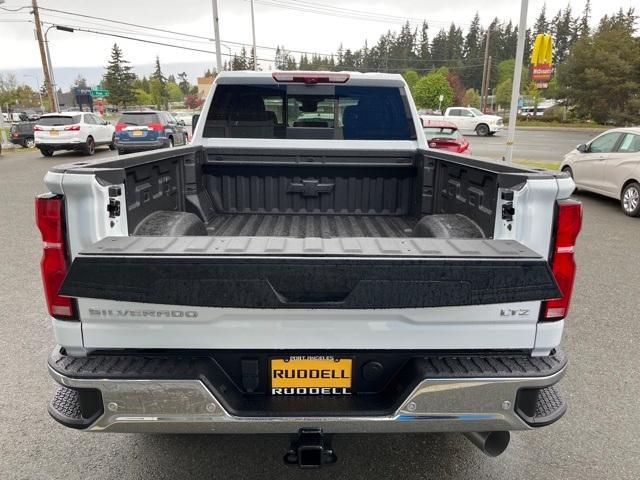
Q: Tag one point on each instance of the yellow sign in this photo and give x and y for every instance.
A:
(311, 372)
(541, 60)
(542, 53)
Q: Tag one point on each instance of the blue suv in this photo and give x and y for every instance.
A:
(149, 130)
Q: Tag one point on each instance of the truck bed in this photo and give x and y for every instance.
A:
(303, 226)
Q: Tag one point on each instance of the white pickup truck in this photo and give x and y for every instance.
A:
(307, 266)
(469, 119)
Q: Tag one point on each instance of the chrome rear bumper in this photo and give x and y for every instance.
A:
(188, 406)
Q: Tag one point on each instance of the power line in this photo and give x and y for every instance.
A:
(98, 32)
(208, 40)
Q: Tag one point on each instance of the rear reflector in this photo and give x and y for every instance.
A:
(563, 264)
(310, 78)
(50, 221)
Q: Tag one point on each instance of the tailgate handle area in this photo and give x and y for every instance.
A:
(313, 297)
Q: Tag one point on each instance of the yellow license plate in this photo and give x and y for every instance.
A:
(311, 376)
(138, 133)
(53, 133)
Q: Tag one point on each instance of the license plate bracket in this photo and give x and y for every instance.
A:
(311, 375)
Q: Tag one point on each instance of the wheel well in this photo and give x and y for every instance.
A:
(631, 180)
(482, 124)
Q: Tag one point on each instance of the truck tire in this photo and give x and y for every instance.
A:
(173, 224)
(630, 199)
(482, 130)
(46, 152)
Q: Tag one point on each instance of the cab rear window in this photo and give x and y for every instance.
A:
(301, 112)
(59, 120)
(142, 118)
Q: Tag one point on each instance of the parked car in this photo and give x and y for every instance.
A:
(183, 117)
(32, 115)
(470, 119)
(22, 134)
(445, 136)
(308, 280)
(18, 117)
(79, 131)
(148, 130)
(609, 165)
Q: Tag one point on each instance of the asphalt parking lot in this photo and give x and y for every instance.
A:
(545, 145)
(597, 439)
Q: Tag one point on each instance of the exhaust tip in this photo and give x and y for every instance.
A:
(491, 443)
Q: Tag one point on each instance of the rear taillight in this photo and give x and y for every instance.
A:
(72, 128)
(158, 127)
(568, 227)
(37, 128)
(310, 78)
(120, 127)
(50, 221)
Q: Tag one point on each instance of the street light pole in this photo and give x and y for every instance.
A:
(62, 28)
(216, 32)
(517, 74)
(56, 104)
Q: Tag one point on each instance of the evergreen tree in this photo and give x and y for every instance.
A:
(158, 86)
(184, 83)
(119, 78)
(601, 76)
(473, 53)
(583, 23)
(80, 83)
(542, 24)
(424, 51)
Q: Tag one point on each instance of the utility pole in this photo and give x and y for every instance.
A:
(484, 69)
(253, 32)
(517, 74)
(43, 56)
(485, 94)
(216, 32)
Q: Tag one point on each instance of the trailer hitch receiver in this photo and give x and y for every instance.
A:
(310, 449)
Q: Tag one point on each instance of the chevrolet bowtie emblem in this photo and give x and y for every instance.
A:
(310, 187)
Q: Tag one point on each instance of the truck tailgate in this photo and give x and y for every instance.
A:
(350, 273)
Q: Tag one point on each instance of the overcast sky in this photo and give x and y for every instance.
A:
(294, 29)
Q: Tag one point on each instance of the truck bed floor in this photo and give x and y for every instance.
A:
(301, 226)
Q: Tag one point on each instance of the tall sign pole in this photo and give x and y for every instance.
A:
(517, 74)
(43, 56)
(253, 32)
(216, 32)
(483, 89)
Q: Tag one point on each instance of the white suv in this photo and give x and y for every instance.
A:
(72, 131)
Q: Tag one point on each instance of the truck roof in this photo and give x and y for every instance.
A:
(361, 78)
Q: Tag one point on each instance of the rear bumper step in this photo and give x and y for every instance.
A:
(151, 393)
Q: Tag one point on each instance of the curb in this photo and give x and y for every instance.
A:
(595, 131)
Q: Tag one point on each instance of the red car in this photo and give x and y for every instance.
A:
(445, 136)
